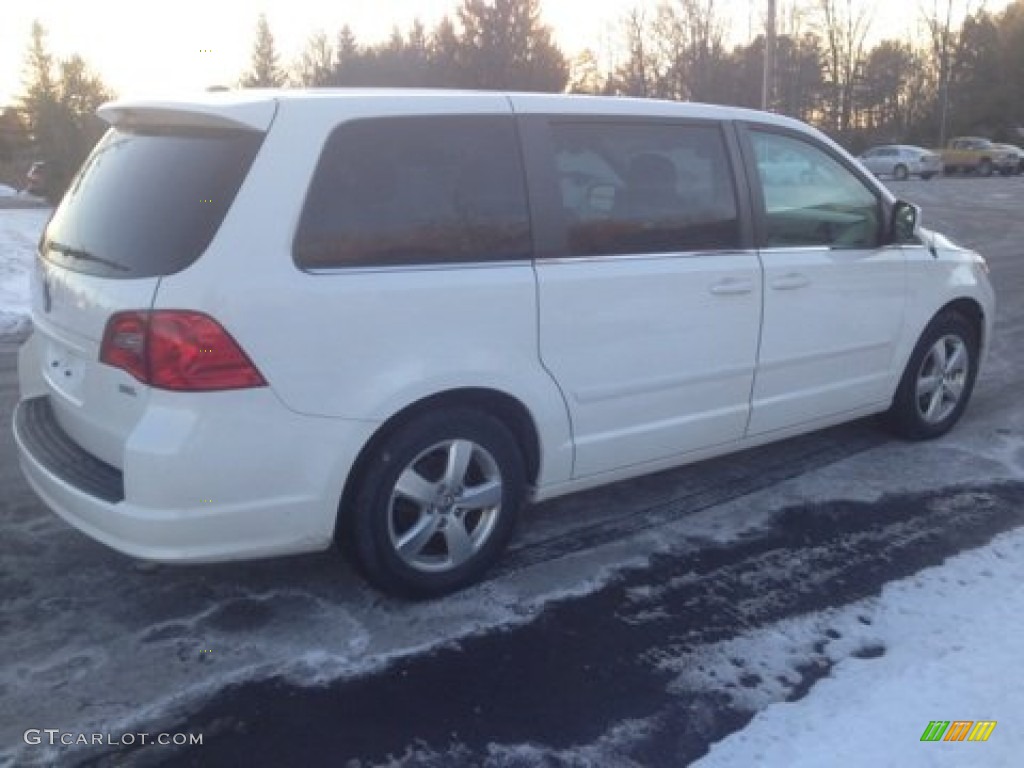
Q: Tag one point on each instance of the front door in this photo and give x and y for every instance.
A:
(833, 294)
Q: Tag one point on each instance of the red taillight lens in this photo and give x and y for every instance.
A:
(124, 343)
(178, 350)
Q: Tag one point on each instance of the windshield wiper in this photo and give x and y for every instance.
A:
(82, 255)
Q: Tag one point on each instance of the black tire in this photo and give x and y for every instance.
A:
(985, 167)
(910, 415)
(423, 450)
(927, 175)
(949, 170)
(901, 172)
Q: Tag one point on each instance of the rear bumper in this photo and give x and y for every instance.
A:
(40, 437)
(269, 513)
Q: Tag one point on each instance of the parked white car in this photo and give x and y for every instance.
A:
(1017, 166)
(901, 161)
(264, 321)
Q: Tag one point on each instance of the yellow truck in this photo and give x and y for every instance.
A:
(968, 154)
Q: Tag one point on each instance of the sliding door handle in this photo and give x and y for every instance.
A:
(732, 286)
(790, 282)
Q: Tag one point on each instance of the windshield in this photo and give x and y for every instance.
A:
(148, 203)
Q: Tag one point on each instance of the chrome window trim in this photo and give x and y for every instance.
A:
(645, 256)
(830, 248)
(414, 267)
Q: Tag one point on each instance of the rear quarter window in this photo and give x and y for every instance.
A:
(148, 203)
(416, 190)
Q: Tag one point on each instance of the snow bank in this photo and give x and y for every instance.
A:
(952, 644)
(19, 233)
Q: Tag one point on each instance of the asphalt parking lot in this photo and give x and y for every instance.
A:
(554, 650)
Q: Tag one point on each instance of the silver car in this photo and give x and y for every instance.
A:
(1018, 166)
(901, 161)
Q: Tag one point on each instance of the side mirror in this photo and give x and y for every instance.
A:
(906, 223)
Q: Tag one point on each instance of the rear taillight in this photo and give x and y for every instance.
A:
(124, 343)
(178, 350)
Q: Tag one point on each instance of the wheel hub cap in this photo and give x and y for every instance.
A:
(445, 506)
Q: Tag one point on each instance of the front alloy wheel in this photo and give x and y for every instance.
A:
(938, 380)
(941, 379)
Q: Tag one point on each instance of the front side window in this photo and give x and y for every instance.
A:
(416, 190)
(630, 188)
(810, 198)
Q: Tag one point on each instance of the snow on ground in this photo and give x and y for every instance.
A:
(951, 637)
(6, 191)
(19, 233)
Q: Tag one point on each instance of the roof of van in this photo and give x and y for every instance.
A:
(254, 108)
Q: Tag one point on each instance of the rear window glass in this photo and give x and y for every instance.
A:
(148, 203)
(416, 190)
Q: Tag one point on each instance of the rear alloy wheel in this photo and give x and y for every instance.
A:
(938, 380)
(438, 503)
(985, 167)
(900, 172)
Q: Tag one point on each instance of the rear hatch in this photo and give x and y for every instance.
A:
(145, 205)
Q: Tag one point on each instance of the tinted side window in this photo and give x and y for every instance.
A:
(811, 199)
(645, 188)
(416, 190)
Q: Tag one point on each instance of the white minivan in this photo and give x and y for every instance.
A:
(265, 321)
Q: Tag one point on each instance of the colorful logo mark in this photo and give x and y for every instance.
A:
(958, 730)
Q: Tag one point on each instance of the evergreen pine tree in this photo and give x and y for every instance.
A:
(265, 70)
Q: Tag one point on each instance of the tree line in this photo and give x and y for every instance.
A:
(964, 76)
(489, 44)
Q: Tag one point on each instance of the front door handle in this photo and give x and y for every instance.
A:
(732, 286)
(790, 282)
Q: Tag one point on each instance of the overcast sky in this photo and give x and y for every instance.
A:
(139, 46)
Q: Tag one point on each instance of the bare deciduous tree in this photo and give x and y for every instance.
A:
(845, 25)
(638, 73)
(316, 62)
(944, 23)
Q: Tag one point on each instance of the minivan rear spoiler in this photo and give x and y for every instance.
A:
(243, 115)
